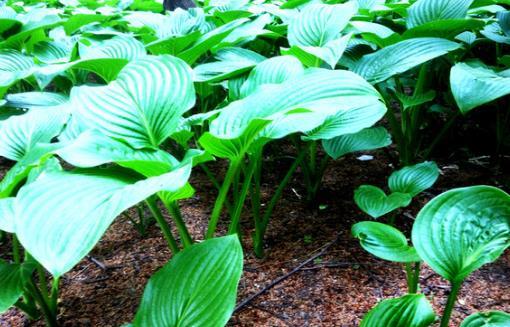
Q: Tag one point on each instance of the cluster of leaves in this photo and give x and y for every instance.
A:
(111, 104)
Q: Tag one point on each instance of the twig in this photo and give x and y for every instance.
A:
(341, 264)
(274, 314)
(97, 262)
(282, 278)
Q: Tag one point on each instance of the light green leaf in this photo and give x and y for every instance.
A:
(487, 319)
(384, 241)
(13, 67)
(424, 11)
(414, 179)
(446, 28)
(401, 57)
(474, 84)
(20, 134)
(411, 310)
(75, 22)
(37, 20)
(364, 140)
(299, 104)
(7, 217)
(409, 101)
(196, 288)
(142, 116)
(275, 70)
(62, 215)
(460, 230)
(35, 100)
(374, 202)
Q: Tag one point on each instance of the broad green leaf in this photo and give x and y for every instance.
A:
(424, 11)
(462, 229)
(379, 30)
(62, 215)
(231, 62)
(409, 101)
(374, 202)
(495, 33)
(13, 67)
(414, 179)
(299, 104)
(275, 70)
(7, 217)
(8, 19)
(401, 57)
(487, 319)
(173, 44)
(317, 30)
(474, 84)
(384, 241)
(446, 29)
(35, 100)
(197, 287)
(143, 116)
(75, 22)
(364, 140)
(412, 310)
(20, 134)
(209, 40)
(11, 279)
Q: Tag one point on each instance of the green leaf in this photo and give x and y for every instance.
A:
(373, 201)
(143, 116)
(414, 179)
(487, 319)
(7, 217)
(384, 241)
(13, 67)
(274, 70)
(316, 30)
(62, 215)
(75, 22)
(20, 134)
(11, 279)
(35, 100)
(460, 230)
(474, 84)
(446, 29)
(196, 288)
(364, 140)
(411, 310)
(424, 11)
(232, 62)
(401, 57)
(409, 101)
(299, 104)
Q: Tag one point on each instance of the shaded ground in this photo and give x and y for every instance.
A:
(335, 290)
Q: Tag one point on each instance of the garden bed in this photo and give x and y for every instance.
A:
(336, 289)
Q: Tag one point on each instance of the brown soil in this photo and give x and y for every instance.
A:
(335, 290)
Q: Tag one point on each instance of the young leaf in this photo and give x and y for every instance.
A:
(460, 230)
(474, 84)
(365, 140)
(62, 215)
(424, 11)
(409, 101)
(373, 201)
(196, 288)
(384, 241)
(400, 57)
(414, 179)
(412, 310)
(487, 319)
(143, 115)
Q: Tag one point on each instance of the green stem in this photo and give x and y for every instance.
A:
(165, 228)
(238, 208)
(396, 129)
(16, 252)
(216, 184)
(413, 276)
(255, 189)
(175, 213)
(54, 295)
(441, 134)
(43, 283)
(222, 196)
(452, 298)
(261, 225)
(31, 311)
(31, 288)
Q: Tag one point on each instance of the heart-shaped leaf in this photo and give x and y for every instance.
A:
(487, 319)
(414, 179)
(384, 241)
(424, 11)
(460, 230)
(373, 201)
(196, 288)
(365, 140)
(142, 116)
(62, 215)
(412, 310)
(11, 279)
